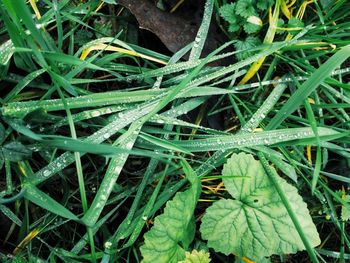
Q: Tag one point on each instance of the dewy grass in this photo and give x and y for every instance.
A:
(103, 142)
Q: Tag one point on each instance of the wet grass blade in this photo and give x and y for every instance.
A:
(309, 86)
(254, 139)
(41, 199)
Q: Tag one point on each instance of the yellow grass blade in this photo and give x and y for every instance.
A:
(35, 8)
(26, 240)
(102, 46)
(268, 40)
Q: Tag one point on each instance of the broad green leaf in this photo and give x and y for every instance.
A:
(256, 224)
(41, 199)
(264, 4)
(345, 211)
(244, 47)
(196, 257)
(245, 8)
(15, 151)
(173, 230)
(228, 13)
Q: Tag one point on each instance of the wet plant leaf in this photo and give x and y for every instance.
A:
(43, 200)
(15, 151)
(196, 257)
(255, 224)
(173, 230)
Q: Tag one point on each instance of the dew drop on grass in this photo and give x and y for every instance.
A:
(46, 173)
(129, 145)
(95, 113)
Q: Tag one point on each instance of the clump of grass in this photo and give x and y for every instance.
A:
(94, 129)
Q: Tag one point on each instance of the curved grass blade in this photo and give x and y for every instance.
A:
(6, 51)
(114, 168)
(116, 123)
(41, 199)
(202, 32)
(22, 84)
(254, 139)
(309, 86)
(261, 113)
(9, 214)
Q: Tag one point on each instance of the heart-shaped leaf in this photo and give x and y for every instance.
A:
(256, 224)
(173, 231)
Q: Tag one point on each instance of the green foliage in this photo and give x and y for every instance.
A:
(103, 27)
(6, 52)
(228, 12)
(245, 8)
(173, 231)
(83, 36)
(2, 133)
(345, 211)
(255, 224)
(245, 45)
(196, 257)
(90, 146)
(15, 151)
(293, 26)
(345, 208)
(264, 4)
(252, 25)
(39, 198)
(245, 14)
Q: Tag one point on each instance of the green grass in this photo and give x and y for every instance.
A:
(92, 150)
